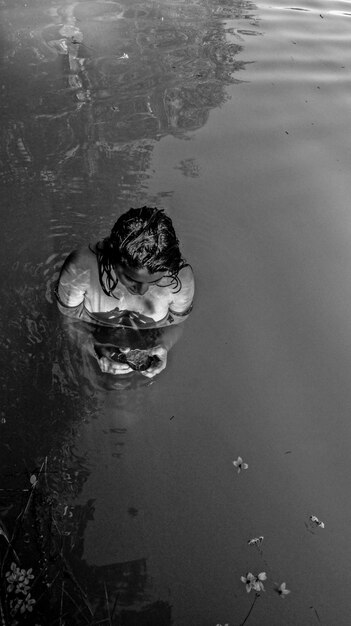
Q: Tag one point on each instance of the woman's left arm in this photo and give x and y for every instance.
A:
(166, 338)
(178, 312)
(182, 301)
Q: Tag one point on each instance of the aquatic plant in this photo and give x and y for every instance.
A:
(239, 464)
(18, 593)
(254, 583)
(18, 579)
(40, 532)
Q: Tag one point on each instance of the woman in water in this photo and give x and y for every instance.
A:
(134, 279)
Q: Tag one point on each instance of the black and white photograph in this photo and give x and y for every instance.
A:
(175, 313)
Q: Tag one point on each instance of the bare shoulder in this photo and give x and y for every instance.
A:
(186, 276)
(82, 257)
(182, 300)
(187, 284)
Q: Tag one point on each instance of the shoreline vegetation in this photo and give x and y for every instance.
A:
(48, 593)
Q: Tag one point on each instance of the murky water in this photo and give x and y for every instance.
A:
(234, 117)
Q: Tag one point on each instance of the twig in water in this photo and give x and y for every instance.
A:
(114, 606)
(61, 602)
(4, 534)
(317, 616)
(80, 609)
(3, 623)
(252, 606)
(34, 481)
(73, 578)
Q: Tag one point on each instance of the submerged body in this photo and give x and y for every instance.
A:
(81, 295)
(135, 279)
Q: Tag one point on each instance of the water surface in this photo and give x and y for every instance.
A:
(233, 116)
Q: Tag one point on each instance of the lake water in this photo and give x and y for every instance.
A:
(235, 118)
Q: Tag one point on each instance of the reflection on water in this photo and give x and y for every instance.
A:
(88, 89)
(94, 83)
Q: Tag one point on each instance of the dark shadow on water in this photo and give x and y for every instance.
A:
(65, 507)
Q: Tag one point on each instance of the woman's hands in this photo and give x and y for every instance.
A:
(108, 365)
(160, 363)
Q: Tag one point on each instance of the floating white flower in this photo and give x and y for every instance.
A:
(259, 584)
(316, 522)
(256, 541)
(248, 580)
(254, 582)
(239, 464)
(283, 591)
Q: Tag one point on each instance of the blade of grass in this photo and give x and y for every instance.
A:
(3, 622)
(80, 609)
(107, 605)
(61, 602)
(114, 605)
(19, 519)
(73, 578)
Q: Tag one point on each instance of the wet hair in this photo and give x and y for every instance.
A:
(142, 238)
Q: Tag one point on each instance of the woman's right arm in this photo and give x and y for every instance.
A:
(72, 286)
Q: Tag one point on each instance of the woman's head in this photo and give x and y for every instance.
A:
(142, 240)
(145, 239)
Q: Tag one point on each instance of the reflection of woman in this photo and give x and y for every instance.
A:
(134, 279)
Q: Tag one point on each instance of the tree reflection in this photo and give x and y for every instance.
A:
(104, 77)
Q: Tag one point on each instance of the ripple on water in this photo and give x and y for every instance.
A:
(99, 11)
